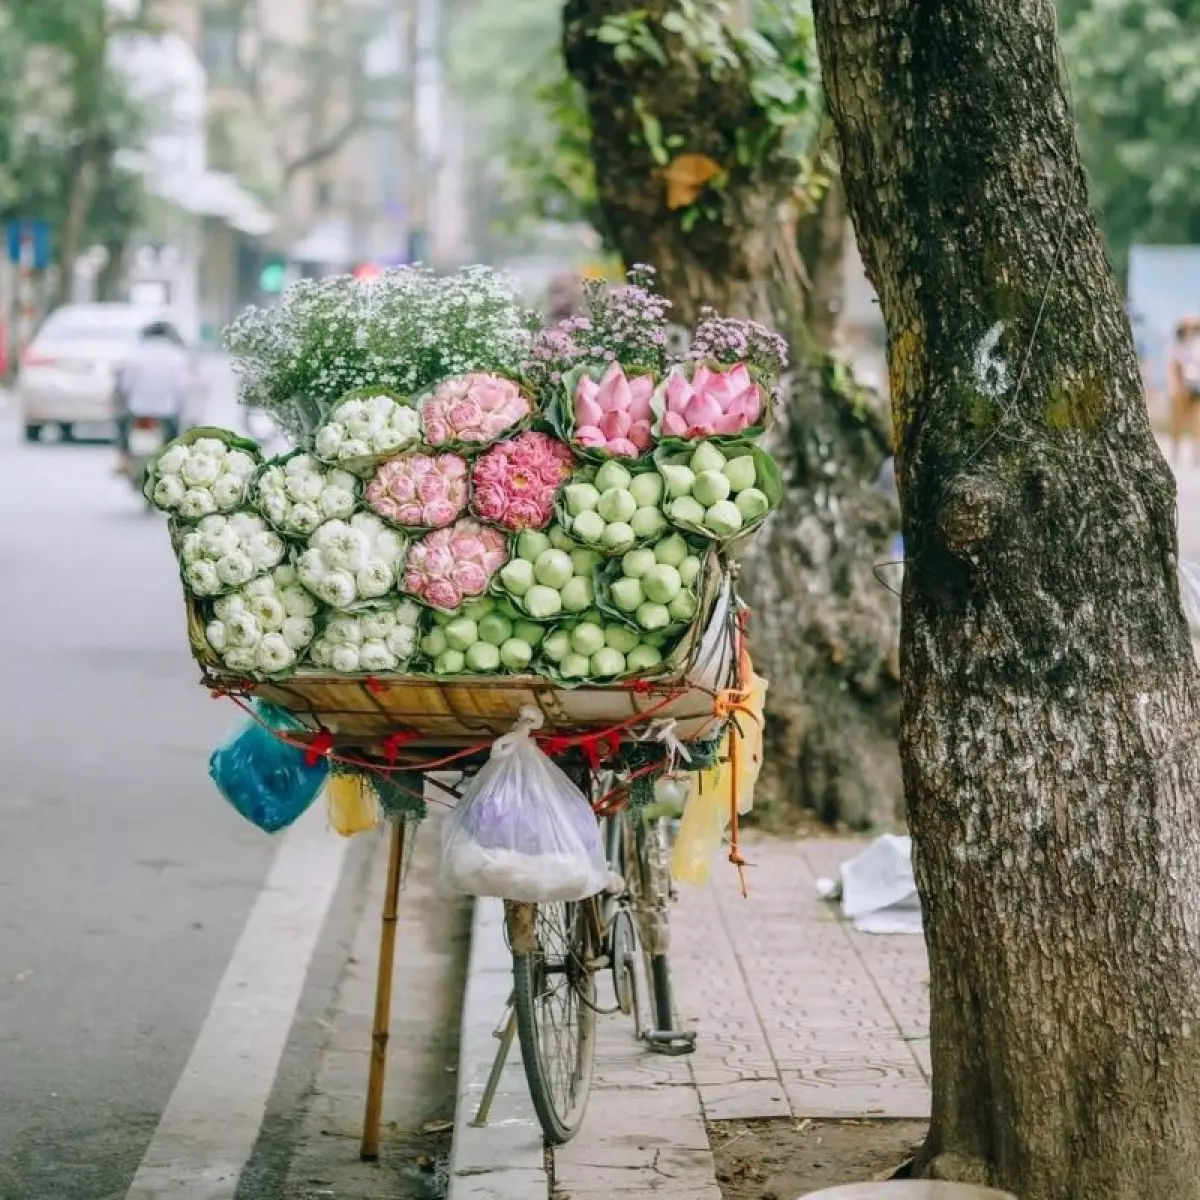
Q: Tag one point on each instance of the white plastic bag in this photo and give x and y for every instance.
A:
(523, 830)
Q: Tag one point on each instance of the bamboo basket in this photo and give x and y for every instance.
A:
(453, 713)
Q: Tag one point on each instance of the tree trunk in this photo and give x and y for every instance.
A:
(1049, 698)
(79, 192)
(824, 628)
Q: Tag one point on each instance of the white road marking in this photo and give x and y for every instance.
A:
(212, 1120)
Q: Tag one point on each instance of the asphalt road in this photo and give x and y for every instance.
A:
(125, 881)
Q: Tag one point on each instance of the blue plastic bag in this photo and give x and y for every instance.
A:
(269, 782)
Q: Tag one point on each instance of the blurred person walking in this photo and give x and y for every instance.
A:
(1183, 385)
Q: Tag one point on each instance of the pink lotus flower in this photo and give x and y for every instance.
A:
(475, 408)
(516, 481)
(449, 565)
(606, 412)
(419, 491)
(710, 402)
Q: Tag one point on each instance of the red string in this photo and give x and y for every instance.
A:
(393, 743)
(318, 748)
(373, 685)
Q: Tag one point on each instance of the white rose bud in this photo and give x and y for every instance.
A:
(344, 659)
(243, 630)
(239, 463)
(171, 461)
(375, 656)
(337, 503)
(274, 654)
(196, 503)
(241, 658)
(217, 635)
(337, 589)
(298, 632)
(210, 447)
(375, 579)
(304, 518)
(200, 470)
(228, 492)
(235, 568)
(202, 577)
(168, 492)
(297, 602)
(329, 441)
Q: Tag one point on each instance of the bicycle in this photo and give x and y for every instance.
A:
(558, 952)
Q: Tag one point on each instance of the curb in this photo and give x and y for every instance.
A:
(506, 1159)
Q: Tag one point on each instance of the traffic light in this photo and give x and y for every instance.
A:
(273, 275)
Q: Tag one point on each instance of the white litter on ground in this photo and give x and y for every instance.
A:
(877, 889)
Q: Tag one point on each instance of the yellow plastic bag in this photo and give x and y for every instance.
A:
(353, 805)
(709, 810)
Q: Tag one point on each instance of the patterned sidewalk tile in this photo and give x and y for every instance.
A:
(796, 1012)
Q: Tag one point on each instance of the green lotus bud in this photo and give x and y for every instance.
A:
(741, 472)
(462, 633)
(752, 504)
(637, 562)
(617, 505)
(662, 584)
(653, 616)
(678, 480)
(584, 562)
(588, 527)
(643, 658)
(723, 519)
(506, 608)
(478, 609)
(684, 607)
(706, 457)
(587, 637)
(575, 666)
(689, 570)
(483, 657)
(517, 576)
(711, 487)
(516, 654)
(618, 537)
(686, 511)
(580, 497)
(450, 662)
(578, 594)
(671, 550)
(495, 629)
(559, 539)
(443, 618)
(529, 631)
(620, 637)
(434, 643)
(557, 646)
(607, 663)
(543, 602)
(647, 489)
(531, 543)
(612, 475)
(648, 523)
(553, 568)
(627, 594)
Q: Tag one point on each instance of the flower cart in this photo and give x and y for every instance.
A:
(500, 550)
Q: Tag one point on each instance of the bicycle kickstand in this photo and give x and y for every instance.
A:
(504, 1033)
(670, 1041)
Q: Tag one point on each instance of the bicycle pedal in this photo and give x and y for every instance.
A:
(671, 1042)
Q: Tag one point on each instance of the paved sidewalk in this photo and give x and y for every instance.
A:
(797, 1016)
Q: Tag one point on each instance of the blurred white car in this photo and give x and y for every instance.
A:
(66, 380)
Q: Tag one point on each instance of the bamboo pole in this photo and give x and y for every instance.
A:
(373, 1118)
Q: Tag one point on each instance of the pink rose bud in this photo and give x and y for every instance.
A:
(470, 577)
(674, 425)
(414, 583)
(622, 448)
(433, 487)
(640, 435)
(615, 424)
(437, 432)
(409, 513)
(588, 412)
(441, 593)
(441, 561)
(452, 466)
(439, 513)
(590, 436)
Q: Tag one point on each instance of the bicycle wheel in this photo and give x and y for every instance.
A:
(554, 994)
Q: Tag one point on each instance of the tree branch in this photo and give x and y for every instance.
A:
(325, 149)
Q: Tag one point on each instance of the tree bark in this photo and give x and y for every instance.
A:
(1049, 699)
(824, 628)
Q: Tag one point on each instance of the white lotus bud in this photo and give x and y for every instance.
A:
(328, 443)
(201, 576)
(239, 463)
(196, 503)
(376, 579)
(347, 549)
(375, 656)
(168, 492)
(304, 518)
(298, 632)
(243, 629)
(225, 606)
(265, 550)
(343, 630)
(402, 641)
(241, 658)
(408, 612)
(274, 654)
(341, 479)
(301, 464)
(337, 589)
(191, 548)
(235, 568)
(344, 659)
(217, 635)
(377, 625)
(354, 448)
(209, 448)
(297, 602)
(336, 503)
(228, 492)
(200, 470)
(171, 461)
(305, 488)
(268, 610)
(311, 568)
